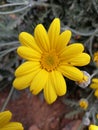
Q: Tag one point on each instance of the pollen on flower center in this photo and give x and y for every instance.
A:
(49, 60)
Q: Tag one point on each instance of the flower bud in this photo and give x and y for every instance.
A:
(86, 80)
(86, 121)
(83, 103)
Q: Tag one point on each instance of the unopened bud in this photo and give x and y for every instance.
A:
(86, 121)
(86, 80)
(83, 103)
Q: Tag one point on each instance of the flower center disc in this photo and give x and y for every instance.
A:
(49, 60)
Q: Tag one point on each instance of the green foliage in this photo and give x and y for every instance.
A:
(75, 110)
(74, 114)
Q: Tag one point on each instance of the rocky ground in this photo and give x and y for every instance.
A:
(36, 114)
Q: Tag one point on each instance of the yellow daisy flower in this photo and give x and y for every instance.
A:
(93, 127)
(5, 123)
(49, 58)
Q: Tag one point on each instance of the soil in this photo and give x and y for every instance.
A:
(35, 114)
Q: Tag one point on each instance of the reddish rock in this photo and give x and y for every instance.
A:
(30, 110)
(34, 127)
(73, 125)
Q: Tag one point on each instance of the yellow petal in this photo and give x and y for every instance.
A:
(94, 86)
(49, 92)
(80, 60)
(96, 56)
(58, 82)
(24, 81)
(27, 67)
(71, 51)
(28, 40)
(63, 40)
(96, 93)
(41, 37)
(53, 32)
(71, 72)
(5, 117)
(39, 82)
(93, 127)
(13, 126)
(95, 80)
(28, 53)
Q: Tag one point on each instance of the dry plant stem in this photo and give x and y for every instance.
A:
(95, 6)
(15, 11)
(91, 42)
(3, 53)
(13, 4)
(93, 118)
(95, 72)
(95, 32)
(90, 46)
(90, 94)
(27, 5)
(7, 99)
(93, 112)
(14, 43)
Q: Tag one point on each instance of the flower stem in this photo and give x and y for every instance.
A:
(7, 99)
(95, 72)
